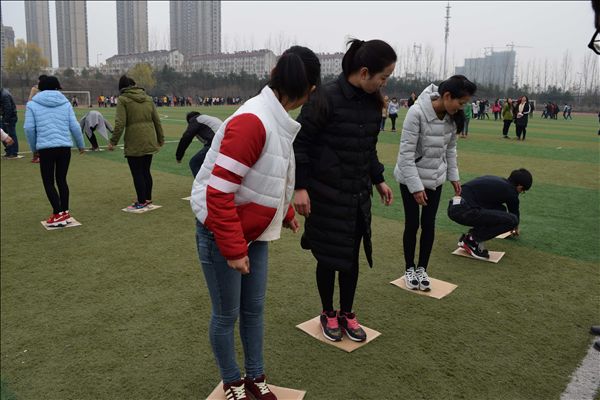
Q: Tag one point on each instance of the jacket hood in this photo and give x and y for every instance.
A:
(430, 93)
(50, 98)
(135, 94)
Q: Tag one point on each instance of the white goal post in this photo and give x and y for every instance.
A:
(70, 93)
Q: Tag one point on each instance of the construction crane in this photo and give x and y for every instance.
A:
(512, 46)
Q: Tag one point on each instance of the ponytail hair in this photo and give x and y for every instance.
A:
(458, 86)
(297, 70)
(375, 55)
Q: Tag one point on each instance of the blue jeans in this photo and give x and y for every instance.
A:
(234, 294)
(11, 130)
(197, 160)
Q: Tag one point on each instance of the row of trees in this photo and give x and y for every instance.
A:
(24, 62)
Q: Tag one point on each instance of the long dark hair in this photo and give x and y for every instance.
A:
(375, 55)
(458, 86)
(296, 71)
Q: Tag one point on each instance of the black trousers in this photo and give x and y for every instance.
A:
(485, 223)
(521, 131)
(54, 164)
(93, 141)
(393, 119)
(346, 280)
(411, 225)
(142, 179)
(506, 127)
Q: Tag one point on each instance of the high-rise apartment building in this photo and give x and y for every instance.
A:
(132, 26)
(71, 29)
(495, 69)
(195, 27)
(37, 25)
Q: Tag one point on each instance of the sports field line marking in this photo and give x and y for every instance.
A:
(585, 381)
(105, 147)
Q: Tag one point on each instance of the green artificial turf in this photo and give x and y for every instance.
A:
(118, 309)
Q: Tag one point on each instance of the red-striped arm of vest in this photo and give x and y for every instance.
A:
(241, 147)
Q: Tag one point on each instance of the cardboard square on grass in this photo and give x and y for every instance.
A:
(313, 328)
(439, 289)
(13, 158)
(504, 235)
(189, 198)
(142, 210)
(71, 223)
(495, 256)
(281, 393)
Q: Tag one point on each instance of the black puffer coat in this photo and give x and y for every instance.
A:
(336, 161)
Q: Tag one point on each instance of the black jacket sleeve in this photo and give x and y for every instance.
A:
(304, 144)
(377, 168)
(186, 139)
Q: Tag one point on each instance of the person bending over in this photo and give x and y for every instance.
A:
(481, 206)
(203, 127)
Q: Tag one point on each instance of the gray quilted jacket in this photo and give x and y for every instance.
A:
(427, 155)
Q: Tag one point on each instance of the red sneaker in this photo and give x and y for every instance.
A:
(235, 390)
(35, 160)
(56, 220)
(65, 216)
(258, 388)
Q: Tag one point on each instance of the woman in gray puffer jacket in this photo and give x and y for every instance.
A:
(426, 159)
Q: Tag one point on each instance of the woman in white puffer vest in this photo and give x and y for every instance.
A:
(427, 158)
(241, 198)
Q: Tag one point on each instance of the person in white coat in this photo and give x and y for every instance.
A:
(426, 159)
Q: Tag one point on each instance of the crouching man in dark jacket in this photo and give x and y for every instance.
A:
(203, 127)
(481, 206)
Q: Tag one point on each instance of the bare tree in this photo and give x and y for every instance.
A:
(589, 72)
(428, 61)
(545, 74)
(565, 70)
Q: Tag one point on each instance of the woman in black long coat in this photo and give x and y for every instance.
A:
(337, 166)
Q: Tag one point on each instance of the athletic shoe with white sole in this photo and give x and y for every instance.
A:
(474, 248)
(410, 278)
(259, 389)
(235, 390)
(351, 327)
(330, 326)
(423, 278)
(56, 220)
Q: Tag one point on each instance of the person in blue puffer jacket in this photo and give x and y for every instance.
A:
(50, 126)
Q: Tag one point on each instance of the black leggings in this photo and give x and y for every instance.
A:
(347, 280)
(93, 141)
(411, 225)
(506, 127)
(54, 164)
(521, 131)
(393, 119)
(142, 179)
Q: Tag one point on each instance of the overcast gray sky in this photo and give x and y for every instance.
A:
(548, 27)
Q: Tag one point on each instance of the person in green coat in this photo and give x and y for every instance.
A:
(507, 116)
(137, 116)
(468, 110)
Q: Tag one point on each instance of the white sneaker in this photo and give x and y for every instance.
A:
(411, 280)
(423, 279)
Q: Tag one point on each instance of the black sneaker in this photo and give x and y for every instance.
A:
(330, 326)
(475, 249)
(461, 240)
(350, 325)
